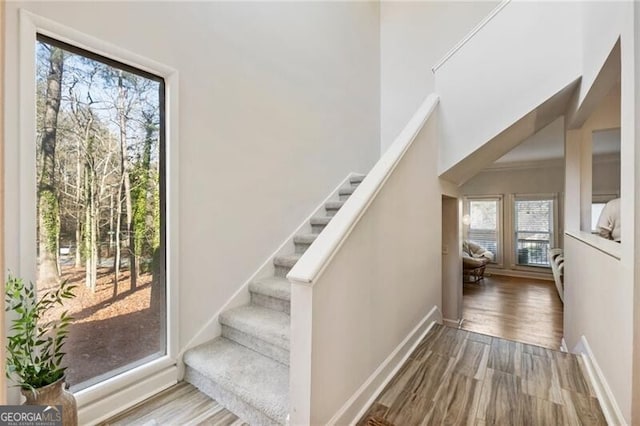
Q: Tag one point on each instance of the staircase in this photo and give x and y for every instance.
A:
(246, 369)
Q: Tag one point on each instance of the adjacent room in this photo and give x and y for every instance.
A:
(512, 227)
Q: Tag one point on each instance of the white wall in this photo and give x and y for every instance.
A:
(278, 102)
(601, 23)
(599, 306)
(525, 55)
(414, 36)
(533, 178)
(365, 292)
(632, 67)
(599, 274)
(380, 284)
(3, 381)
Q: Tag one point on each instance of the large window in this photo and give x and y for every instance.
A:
(101, 206)
(483, 220)
(534, 231)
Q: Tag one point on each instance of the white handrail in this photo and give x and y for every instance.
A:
(312, 263)
(469, 36)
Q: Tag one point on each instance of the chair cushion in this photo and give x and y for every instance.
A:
(473, 262)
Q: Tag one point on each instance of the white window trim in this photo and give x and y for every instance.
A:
(512, 227)
(102, 400)
(498, 262)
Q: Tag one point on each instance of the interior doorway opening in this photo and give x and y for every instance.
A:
(512, 220)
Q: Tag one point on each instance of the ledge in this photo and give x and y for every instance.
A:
(607, 247)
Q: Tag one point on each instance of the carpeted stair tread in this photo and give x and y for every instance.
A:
(276, 287)
(286, 261)
(347, 191)
(304, 238)
(320, 220)
(261, 323)
(333, 205)
(356, 178)
(255, 379)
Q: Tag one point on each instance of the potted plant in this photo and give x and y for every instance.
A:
(34, 347)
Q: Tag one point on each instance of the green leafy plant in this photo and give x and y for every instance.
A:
(34, 348)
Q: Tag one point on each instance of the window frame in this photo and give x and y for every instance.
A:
(554, 237)
(499, 260)
(99, 401)
(162, 190)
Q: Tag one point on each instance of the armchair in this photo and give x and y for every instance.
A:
(474, 260)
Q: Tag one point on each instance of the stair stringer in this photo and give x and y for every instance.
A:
(212, 328)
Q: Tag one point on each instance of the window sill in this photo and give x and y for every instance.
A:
(103, 400)
(533, 268)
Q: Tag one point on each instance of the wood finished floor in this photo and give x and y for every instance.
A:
(180, 405)
(524, 310)
(457, 377)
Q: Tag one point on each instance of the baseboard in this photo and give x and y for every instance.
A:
(609, 406)
(211, 329)
(520, 274)
(563, 346)
(357, 405)
(452, 323)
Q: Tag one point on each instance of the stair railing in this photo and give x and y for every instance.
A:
(335, 280)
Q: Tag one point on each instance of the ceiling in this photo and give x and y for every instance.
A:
(548, 144)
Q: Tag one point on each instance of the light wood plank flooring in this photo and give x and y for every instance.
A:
(525, 310)
(180, 405)
(458, 377)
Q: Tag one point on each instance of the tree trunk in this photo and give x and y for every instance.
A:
(48, 213)
(87, 226)
(143, 223)
(124, 168)
(116, 261)
(111, 225)
(79, 190)
(90, 220)
(133, 259)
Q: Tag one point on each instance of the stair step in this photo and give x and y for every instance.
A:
(356, 179)
(252, 386)
(264, 330)
(332, 207)
(303, 241)
(319, 222)
(272, 292)
(284, 264)
(345, 193)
